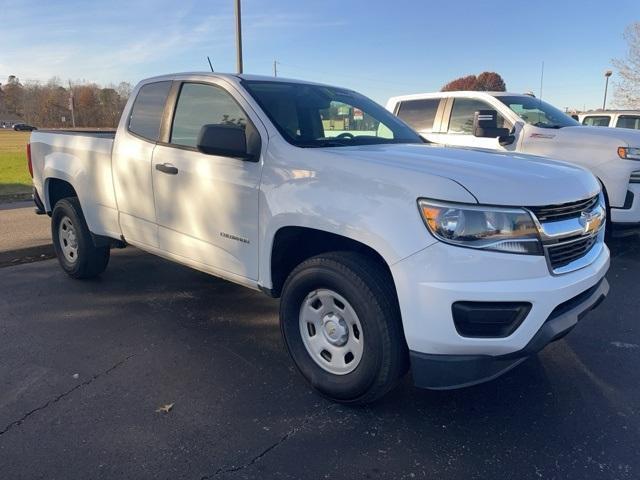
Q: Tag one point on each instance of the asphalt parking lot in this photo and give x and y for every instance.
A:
(85, 365)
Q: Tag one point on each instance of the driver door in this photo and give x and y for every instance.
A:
(207, 205)
(457, 126)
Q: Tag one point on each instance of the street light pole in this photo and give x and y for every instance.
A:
(239, 36)
(275, 68)
(607, 74)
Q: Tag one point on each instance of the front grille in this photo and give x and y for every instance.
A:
(552, 213)
(635, 177)
(564, 253)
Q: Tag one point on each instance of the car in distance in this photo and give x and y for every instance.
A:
(386, 253)
(522, 123)
(611, 118)
(23, 127)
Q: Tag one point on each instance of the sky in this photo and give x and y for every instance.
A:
(380, 48)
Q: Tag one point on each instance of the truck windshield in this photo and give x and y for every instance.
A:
(536, 112)
(318, 116)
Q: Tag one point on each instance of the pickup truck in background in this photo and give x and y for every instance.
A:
(385, 252)
(522, 123)
(611, 118)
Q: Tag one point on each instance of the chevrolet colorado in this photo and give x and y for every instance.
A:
(386, 253)
(522, 123)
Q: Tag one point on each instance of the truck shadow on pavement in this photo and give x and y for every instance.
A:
(149, 332)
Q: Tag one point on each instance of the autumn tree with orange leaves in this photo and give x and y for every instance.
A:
(485, 82)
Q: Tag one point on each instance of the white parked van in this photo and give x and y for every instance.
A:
(523, 123)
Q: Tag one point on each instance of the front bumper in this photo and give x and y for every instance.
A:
(625, 221)
(442, 372)
(429, 282)
(630, 212)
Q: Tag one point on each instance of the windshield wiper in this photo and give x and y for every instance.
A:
(547, 125)
(320, 144)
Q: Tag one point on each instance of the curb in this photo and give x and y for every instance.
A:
(16, 197)
(26, 255)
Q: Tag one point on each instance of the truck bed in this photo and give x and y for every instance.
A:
(84, 133)
(81, 158)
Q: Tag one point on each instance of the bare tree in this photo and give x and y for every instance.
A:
(47, 105)
(627, 92)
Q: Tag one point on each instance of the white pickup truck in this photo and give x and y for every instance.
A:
(386, 252)
(522, 123)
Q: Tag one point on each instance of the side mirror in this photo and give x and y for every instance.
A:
(224, 140)
(575, 117)
(485, 125)
(505, 140)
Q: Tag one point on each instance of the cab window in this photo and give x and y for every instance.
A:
(628, 121)
(597, 120)
(461, 119)
(147, 110)
(200, 104)
(420, 114)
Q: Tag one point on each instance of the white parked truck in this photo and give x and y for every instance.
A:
(386, 252)
(522, 123)
(611, 118)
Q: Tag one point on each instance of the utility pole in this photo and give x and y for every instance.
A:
(275, 68)
(607, 74)
(239, 36)
(71, 106)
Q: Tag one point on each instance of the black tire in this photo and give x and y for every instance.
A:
(90, 261)
(368, 288)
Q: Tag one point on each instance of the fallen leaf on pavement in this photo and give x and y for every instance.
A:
(165, 408)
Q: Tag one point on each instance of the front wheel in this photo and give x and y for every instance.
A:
(341, 324)
(72, 242)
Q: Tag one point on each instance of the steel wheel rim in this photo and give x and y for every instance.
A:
(68, 240)
(331, 332)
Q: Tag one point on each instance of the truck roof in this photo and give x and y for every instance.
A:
(458, 93)
(232, 77)
(609, 112)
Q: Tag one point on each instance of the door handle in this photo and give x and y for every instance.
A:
(167, 168)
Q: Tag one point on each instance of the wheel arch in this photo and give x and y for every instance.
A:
(56, 189)
(292, 245)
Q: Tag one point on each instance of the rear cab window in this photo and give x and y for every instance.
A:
(146, 113)
(597, 120)
(420, 114)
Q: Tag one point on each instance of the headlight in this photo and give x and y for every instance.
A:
(489, 228)
(629, 153)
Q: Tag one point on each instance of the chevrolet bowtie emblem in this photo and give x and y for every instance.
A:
(591, 221)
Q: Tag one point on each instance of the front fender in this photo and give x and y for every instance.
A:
(377, 208)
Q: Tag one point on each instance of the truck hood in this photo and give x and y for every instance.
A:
(589, 137)
(494, 178)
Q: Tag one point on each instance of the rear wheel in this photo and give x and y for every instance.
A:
(341, 324)
(72, 242)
